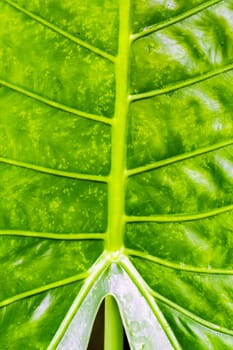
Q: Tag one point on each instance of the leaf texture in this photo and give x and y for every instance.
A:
(116, 163)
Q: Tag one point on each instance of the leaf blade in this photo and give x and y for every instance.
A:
(76, 212)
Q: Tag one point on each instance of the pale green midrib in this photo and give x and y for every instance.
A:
(144, 290)
(175, 266)
(178, 158)
(182, 84)
(55, 104)
(55, 172)
(33, 292)
(117, 180)
(179, 218)
(98, 268)
(62, 32)
(189, 314)
(54, 236)
(156, 27)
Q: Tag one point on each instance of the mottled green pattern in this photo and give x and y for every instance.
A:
(205, 242)
(30, 323)
(189, 48)
(192, 336)
(45, 62)
(31, 263)
(195, 185)
(150, 12)
(36, 133)
(40, 202)
(116, 167)
(82, 19)
(181, 121)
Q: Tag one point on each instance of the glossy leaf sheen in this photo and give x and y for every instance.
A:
(116, 163)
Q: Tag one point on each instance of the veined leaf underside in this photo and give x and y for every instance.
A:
(116, 171)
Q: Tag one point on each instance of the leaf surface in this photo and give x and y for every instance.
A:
(116, 170)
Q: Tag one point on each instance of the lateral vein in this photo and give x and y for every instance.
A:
(55, 104)
(178, 158)
(181, 217)
(33, 292)
(182, 84)
(156, 27)
(55, 236)
(62, 32)
(189, 314)
(41, 169)
(170, 265)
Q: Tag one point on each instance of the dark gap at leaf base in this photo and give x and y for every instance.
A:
(97, 335)
(126, 344)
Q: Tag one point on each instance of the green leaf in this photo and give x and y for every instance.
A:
(116, 163)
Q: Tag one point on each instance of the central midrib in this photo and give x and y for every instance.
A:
(117, 181)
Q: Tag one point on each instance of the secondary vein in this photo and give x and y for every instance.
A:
(55, 236)
(189, 314)
(156, 27)
(182, 84)
(170, 265)
(62, 32)
(45, 288)
(178, 158)
(41, 169)
(179, 218)
(56, 104)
